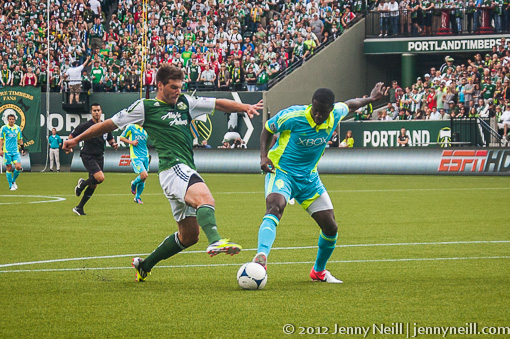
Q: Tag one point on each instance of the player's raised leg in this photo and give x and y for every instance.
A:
(198, 196)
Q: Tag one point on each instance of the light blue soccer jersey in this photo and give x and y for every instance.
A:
(301, 142)
(10, 135)
(136, 132)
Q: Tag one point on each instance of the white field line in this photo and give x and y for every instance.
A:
(272, 263)
(262, 192)
(50, 199)
(254, 249)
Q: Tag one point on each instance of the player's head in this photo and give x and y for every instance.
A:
(323, 101)
(11, 118)
(169, 81)
(53, 131)
(96, 111)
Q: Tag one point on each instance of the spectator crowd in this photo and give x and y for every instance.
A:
(478, 87)
(397, 17)
(219, 44)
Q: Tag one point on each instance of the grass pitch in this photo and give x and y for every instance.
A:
(413, 251)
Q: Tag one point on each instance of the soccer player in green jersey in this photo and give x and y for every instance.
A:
(167, 122)
(291, 167)
(10, 138)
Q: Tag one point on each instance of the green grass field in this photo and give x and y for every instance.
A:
(430, 250)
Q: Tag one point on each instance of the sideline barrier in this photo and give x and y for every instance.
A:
(450, 161)
(25, 163)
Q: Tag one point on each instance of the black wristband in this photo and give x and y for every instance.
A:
(22, 147)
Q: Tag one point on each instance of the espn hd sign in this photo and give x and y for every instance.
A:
(465, 161)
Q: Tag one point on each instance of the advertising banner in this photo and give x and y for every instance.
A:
(451, 161)
(385, 133)
(24, 103)
(447, 44)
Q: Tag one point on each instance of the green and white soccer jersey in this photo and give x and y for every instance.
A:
(168, 126)
(301, 142)
(10, 136)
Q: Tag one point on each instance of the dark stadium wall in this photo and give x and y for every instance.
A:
(111, 103)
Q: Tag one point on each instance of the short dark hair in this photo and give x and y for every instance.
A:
(324, 96)
(11, 115)
(169, 72)
(94, 104)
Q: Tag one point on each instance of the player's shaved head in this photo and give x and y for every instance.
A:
(324, 96)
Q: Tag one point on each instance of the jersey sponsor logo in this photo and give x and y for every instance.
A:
(312, 142)
(475, 161)
(182, 106)
(176, 119)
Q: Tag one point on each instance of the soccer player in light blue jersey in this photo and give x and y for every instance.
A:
(136, 137)
(291, 167)
(10, 138)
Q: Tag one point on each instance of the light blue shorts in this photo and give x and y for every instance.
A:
(11, 158)
(304, 189)
(140, 165)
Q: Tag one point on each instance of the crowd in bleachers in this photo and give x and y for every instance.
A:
(220, 44)
(427, 17)
(458, 89)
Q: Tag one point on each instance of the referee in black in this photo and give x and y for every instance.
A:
(92, 156)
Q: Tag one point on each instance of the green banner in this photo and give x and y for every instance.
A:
(24, 103)
(385, 133)
(431, 45)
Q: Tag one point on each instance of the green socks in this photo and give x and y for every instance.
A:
(169, 247)
(207, 221)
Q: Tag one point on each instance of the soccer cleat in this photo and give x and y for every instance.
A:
(14, 186)
(141, 275)
(223, 246)
(292, 201)
(324, 276)
(133, 188)
(79, 210)
(138, 201)
(261, 259)
(78, 189)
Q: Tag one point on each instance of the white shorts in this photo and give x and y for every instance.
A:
(322, 203)
(502, 124)
(174, 182)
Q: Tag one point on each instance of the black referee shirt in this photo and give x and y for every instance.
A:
(94, 146)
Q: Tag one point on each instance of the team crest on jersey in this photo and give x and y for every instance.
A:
(279, 183)
(182, 106)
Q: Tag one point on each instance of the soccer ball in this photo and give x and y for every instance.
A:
(252, 276)
(343, 144)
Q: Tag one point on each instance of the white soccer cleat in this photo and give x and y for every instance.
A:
(261, 259)
(14, 186)
(292, 201)
(324, 276)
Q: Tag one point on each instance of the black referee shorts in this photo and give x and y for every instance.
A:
(92, 163)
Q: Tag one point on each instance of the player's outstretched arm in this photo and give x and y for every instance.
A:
(231, 106)
(376, 94)
(93, 131)
(265, 163)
